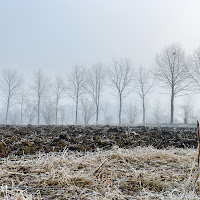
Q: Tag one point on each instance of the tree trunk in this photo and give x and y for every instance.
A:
(22, 110)
(186, 116)
(172, 108)
(56, 115)
(185, 120)
(144, 111)
(76, 117)
(120, 109)
(77, 100)
(56, 112)
(38, 113)
(7, 109)
(21, 115)
(7, 113)
(97, 115)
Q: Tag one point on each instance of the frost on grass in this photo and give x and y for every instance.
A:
(139, 173)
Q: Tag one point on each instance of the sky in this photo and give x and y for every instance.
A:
(56, 35)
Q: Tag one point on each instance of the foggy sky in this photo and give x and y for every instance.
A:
(55, 35)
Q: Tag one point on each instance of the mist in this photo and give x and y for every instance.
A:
(56, 36)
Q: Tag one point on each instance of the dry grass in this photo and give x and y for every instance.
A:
(139, 173)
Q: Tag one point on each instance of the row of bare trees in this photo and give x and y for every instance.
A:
(178, 74)
(84, 86)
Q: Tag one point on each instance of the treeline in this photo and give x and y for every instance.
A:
(46, 100)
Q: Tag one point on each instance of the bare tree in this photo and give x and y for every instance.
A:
(87, 110)
(21, 101)
(194, 69)
(171, 71)
(131, 112)
(62, 113)
(105, 108)
(187, 110)
(95, 81)
(30, 110)
(40, 87)
(157, 112)
(10, 86)
(14, 117)
(48, 111)
(121, 75)
(76, 86)
(144, 84)
(109, 119)
(58, 90)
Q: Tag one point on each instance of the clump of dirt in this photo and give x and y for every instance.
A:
(19, 140)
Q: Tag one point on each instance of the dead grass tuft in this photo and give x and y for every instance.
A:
(139, 173)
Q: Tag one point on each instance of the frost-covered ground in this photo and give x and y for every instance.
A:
(138, 173)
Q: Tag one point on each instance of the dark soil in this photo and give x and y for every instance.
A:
(29, 139)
